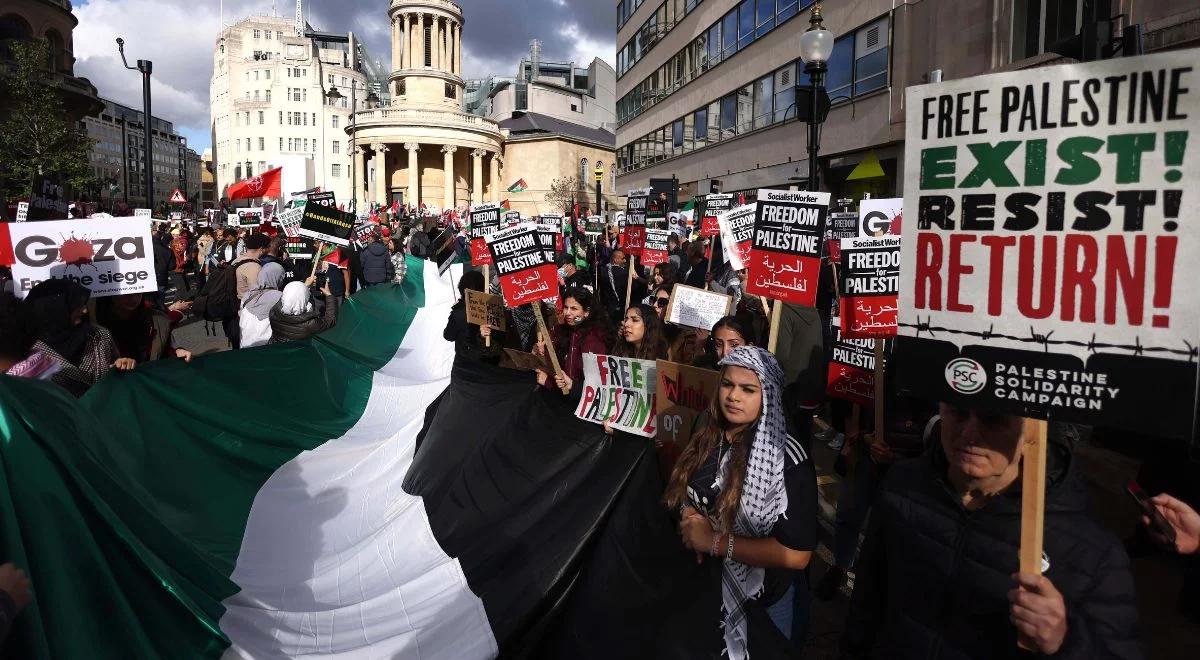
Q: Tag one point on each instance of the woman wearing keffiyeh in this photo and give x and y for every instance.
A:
(746, 495)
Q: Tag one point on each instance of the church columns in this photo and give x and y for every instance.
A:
(414, 174)
(495, 178)
(360, 170)
(477, 178)
(448, 175)
(380, 172)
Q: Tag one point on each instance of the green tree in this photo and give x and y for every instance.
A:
(561, 196)
(36, 134)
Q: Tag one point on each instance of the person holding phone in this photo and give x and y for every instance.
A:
(1181, 519)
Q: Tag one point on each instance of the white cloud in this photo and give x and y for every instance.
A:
(177, 36)
(585, 49)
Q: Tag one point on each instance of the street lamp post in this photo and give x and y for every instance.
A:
(816, 47)
(599, 185)
(145, 67)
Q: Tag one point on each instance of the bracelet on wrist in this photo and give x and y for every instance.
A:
(729, 552)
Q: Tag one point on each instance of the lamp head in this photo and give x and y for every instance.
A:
(816, 44)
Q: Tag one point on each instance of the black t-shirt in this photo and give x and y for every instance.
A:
(796, 529)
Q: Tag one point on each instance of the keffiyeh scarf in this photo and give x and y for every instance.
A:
(764, 497)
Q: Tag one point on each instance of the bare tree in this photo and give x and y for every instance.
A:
(561, 196)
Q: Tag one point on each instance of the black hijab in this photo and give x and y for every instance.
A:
(51, 304)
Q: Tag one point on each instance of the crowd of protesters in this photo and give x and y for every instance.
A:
(928, 520)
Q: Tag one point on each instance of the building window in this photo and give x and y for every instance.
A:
(700, 128)
(281, 117)
(729, 116)
(677, 137)
(450, 93)
(281, 144)
(785, 92)
(256, 95)
(279, 35)
(764, 97)
(337, 147)
(401, 87)
(305, 144)
(334, 119)
(262, 146)
(871, 57)
(583, 170)
(337, 169)
(1038, 24)
(261, 117)
(840, 75)
(257, 34)
(268, 96)
(267, 74)
(428, 46)
(766, 16)
(267, 34)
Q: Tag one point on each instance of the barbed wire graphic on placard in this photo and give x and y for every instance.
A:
(1046, 341)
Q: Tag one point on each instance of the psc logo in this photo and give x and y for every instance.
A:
(965, 376)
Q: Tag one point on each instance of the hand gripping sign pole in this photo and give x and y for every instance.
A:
(1033, 501)
(487, 286)
(537, 313)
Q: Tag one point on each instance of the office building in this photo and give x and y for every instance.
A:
(118, 158)
(706, 89)
(272, 102)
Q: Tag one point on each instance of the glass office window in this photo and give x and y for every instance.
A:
(841, 67)
(764, 98)
(786, 10)
(714, 45)
(729, 31)
(700, 128)
(689, 129)
(714, 121)
(766, 16)
(745, 108)
(785, 92)
(729, 106)
(677, 137)
(745, 24)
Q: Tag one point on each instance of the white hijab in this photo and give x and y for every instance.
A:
(295, 300)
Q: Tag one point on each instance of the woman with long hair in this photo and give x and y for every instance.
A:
(746, 496)
(728, 333)
(661, 278)
(584, 329)
(641, 335)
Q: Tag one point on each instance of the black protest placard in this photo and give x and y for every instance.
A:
(323, 198)
(520, 260)
(714, 205)
(654, 252)
(851, 374)
(1050, 269)
(301, 251)
(870, 284)
(785, 256)
(326, 223)
(48, 199)
(485, 219)
(840, 225)
(633, 229)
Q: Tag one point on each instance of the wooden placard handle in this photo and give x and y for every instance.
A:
(537, 312)
(317, 258)
(1033, 499)
(629, 282)
(776, 319)
(487, 341)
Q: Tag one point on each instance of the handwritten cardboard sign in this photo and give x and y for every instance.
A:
(1050, 271)
(785, 259)
(527, 361)
(485, 219)
(484, 309)
(654, 251)
(525, 274)
(683, 393)
(870, 274)
(697, 308)
(851, 375)
(621, 391)
(737, 234)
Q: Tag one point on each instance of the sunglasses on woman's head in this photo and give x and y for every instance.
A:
(662, 302)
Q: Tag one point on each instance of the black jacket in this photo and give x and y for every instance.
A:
(376, 263)
(295, 327)
(465, 335)
(164, 261)
(932, 578)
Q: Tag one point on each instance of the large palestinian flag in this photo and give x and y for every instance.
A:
(273, 502)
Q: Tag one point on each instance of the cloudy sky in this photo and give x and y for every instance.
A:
(178, 36)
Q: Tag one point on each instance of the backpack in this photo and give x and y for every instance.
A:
(218, 300)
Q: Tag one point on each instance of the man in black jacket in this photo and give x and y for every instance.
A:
(938, 577)
(376, 262)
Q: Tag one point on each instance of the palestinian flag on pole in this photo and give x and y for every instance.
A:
(339, 497)
(519, 186)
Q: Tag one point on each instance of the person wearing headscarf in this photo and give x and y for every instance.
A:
(83, 351)
(254, 317)
(293, 318)
(746, 496)
(141, 331)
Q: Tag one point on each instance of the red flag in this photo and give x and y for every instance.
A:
(741, 199)
(506, 205)
(262, 185)
(395, 206)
